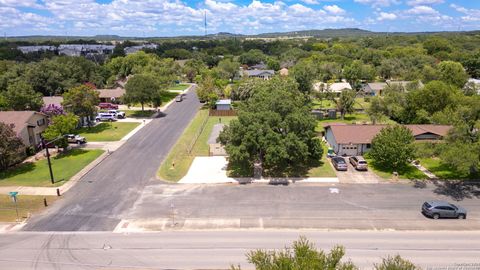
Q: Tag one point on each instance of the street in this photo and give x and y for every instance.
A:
(318, 206)
(97, 201)
(220, 249)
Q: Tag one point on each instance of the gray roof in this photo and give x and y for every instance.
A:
(29, 49)
(377, 85)
(258, 72)
(224, 102)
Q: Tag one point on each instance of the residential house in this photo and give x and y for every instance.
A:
(224, 105)
(259, 73)
(85, 49)
(259, 66)
(111, 95)
(353, 140)
(134, 49)
(53, 100)
(337, 87)
(27, 124)
(374, 89)
(31, 49)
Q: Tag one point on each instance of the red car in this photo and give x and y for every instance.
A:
(106, 106)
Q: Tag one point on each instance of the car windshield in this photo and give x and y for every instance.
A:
(362, 162)
(340, 161)
(454, 207)
(427, 205)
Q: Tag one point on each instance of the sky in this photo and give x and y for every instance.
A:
(186, 17)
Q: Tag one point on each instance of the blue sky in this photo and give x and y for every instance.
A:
(176, 17)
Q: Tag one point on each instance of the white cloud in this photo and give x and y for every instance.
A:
(310, 2)
(378, 3)
(418, 10)
(471, 15)
(386, 16)
(334, 9)
(424, 2)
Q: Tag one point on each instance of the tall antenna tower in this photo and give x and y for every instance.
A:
(205, 23)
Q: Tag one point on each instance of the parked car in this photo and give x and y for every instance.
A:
(105, 117)
(72, 138)
(358, 163)
(442, 209)
(179, 98)
(118, 114)
(339, 163)
(106, 106)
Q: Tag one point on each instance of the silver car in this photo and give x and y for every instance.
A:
(442, 209)
(358, 163)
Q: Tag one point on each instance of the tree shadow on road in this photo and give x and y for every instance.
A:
(457, 190)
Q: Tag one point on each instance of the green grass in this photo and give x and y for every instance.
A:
(167, 97)
(329, 104)
(409, 173)
(443, 171)
(180, 86)
(356, 118)
(26, 204)
(324, 169)
(37, 174)
(107, 132)
(179, 156)
(139, 114)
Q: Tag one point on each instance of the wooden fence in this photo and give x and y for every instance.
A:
(222, 113)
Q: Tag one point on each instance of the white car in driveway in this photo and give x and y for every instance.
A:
(105, 117)
(118, 114)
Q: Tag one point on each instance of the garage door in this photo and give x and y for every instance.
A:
(349, 150)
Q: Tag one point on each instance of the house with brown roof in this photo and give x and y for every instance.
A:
(27, 124)
(111, 95)
(354, 140)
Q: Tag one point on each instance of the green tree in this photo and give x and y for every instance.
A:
(472, 65)
(10, 145)
(304, 74)
(81, 101)
(143, 88)
(395, 263)
(273, 63)
(345, 102)
(434, 97)
(393, 148)
(208, 91)
(301, 255)
(275, 129)
(61, 125)
(229, 67)
(252, 57)
(452, 73)
(20, 96)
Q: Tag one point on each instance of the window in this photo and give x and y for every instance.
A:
(41, 122)
(369, 145)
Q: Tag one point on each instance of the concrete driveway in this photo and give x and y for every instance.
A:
(357, 177)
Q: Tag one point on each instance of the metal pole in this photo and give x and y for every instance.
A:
(16, 207)
(48, 160)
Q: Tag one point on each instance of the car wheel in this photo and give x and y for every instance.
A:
(436, 216)
(462, 216)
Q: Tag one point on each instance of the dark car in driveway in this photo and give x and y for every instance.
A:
(339, 163)
(442, 209)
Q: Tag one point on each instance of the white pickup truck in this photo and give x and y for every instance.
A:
(118, 114)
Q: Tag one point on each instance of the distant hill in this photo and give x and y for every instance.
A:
(325, 33)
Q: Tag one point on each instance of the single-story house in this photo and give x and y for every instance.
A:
(332, 87)
(260, 66)
(260, 73)
(27, 124)
(353, 140)
(374, 89)
(54, 100)
(224, 105)
(111, 95)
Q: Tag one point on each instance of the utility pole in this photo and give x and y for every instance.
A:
(44, 145)
(205, 22)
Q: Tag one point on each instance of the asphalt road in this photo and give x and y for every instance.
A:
(316, 206)
(219, 250)
(98, 200)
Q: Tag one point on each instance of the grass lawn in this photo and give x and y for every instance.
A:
(139, 114)
(410, 173)
(356, 118)
(324, 170)
(37, 174)
(329, 104)
(443, 171)
(180, 86)
(179, 155)
(25, 203)
(107, 132)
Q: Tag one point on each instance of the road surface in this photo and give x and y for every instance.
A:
(97, 202)
(218, 250)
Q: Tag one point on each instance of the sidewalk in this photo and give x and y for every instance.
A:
(424, 170)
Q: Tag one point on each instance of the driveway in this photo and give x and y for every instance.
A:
(357, 177)
(101, 197)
